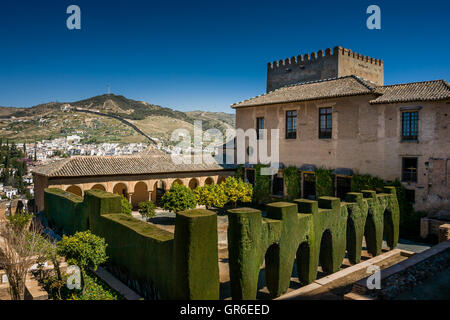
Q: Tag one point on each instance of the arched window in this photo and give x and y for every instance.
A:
(98, 187)
(193, 183)
(120, 189)
(75, 190)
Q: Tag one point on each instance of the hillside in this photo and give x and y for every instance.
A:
(56, 119)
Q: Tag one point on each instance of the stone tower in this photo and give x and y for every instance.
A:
(319, 66)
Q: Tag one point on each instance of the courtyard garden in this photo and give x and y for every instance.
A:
(227, 250)
(27, 253)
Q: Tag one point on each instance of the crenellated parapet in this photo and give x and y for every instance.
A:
(321, 54)
(322, 65)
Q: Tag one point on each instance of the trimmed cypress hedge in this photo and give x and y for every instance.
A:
(315, 232)
(153, 261)
(64, 211)
(196, 255)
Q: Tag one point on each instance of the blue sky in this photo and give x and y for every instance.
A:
(202, 54)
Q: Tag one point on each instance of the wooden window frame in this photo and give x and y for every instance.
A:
(291, 124)
(328, 131)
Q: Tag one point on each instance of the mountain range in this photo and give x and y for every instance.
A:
(104, 118)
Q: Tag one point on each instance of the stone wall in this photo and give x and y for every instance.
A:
(367, 139)
(323, 65)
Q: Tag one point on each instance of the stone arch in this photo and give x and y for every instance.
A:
(98, 186)
(272, 262)
(160, 184)
(326, 252)
(373, 232)
(179, 181)
(159, 188)
(75, 190)
(140, 194)
(209, 181)
(121, 189)
(193, 183)
(388, 228)
(351, 245)
(303, 260)
(221, 179)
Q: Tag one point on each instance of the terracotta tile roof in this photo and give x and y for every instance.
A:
(351, 86)
(417, 91)
(119, 165)
(330, 88)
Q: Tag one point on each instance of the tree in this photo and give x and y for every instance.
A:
(127, 208)
(21, 249)
(85, 250)
(237, 190)
(19, 221)
(147, 209)
(178, 198)
(211, 196)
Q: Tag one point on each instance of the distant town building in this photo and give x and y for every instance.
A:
(28, 178)
(10, 192)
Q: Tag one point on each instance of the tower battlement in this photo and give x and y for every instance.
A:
(323, 65)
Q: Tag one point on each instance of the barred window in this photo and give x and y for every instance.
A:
(325, 123)
(291, 124)
(410, 122)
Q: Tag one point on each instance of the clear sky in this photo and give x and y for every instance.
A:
(202, 54)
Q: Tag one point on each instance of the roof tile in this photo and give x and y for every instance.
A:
(119, 165)
(351, 86)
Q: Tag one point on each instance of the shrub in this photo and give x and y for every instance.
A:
(211, 196)
(178, 198)
(84, 249)
(240, 174)
(147, 209)
(19, 221)
(324, 182)
(261, 192)
(292, 180)
(96, 289)
(237, 190)
(367, 182)
(126, 206)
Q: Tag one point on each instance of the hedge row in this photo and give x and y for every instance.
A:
(313, 232)
(153, 261)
